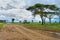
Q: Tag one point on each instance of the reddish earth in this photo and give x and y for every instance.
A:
(19, 32)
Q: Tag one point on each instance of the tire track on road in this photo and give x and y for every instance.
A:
(30, 34)
(34, 35)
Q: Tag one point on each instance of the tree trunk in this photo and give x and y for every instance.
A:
(13, 20)
(32, 21)
(42, 20)
(50, 20)
(59, 18)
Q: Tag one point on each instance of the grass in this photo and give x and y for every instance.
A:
(1, 25)
(47, 26)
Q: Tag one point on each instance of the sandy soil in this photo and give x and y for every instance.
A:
(18, 32)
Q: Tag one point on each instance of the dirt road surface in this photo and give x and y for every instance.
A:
(18, 32)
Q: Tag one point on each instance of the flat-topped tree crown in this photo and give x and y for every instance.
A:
(52, 7)
(31, 8)
(39, 9)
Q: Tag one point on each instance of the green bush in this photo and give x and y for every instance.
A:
(2, 21)
(25, 22)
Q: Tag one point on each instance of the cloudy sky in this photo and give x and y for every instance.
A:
(17, 8)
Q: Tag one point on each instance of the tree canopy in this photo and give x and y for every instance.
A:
(39, 9)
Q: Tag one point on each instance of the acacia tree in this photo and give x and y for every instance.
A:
(39, 9)
(50, 16)
(51, 7)
(58, 13)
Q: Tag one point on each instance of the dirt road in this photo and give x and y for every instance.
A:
(18, 32)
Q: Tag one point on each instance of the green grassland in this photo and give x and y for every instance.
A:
(47, 26)
(35, 25)
(1, 25)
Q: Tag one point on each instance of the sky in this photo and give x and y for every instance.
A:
(17, 9)
(32, 2)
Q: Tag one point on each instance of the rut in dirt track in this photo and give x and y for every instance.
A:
(32, 35)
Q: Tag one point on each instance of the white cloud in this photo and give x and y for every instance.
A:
(15, 3)
(18, 12)
(2, 17)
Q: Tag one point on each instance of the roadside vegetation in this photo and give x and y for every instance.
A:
(1, 25)
(46, 26)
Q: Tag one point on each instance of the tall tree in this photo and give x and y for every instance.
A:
(39, 9)
(50, 16)
(58, 13)
(52, 7)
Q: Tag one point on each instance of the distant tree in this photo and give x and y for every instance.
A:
(32, 21)
(2, 21)
(25, 21)
(20, 21)
(39, 21)
(13, 20)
